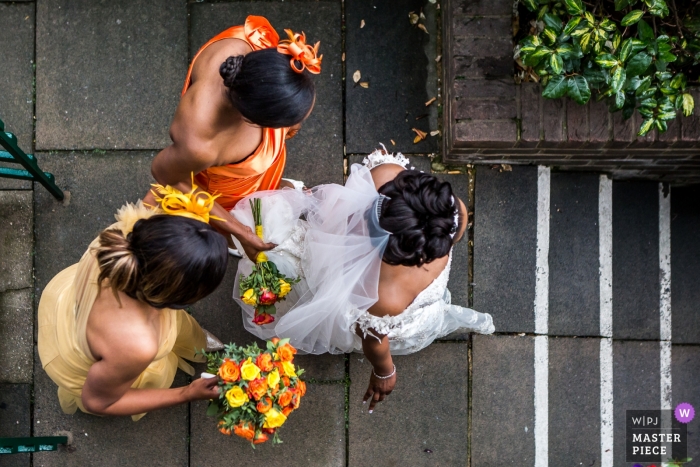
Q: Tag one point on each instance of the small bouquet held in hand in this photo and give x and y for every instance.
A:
(257, 389)
(265, 286)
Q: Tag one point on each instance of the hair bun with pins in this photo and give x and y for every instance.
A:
(230, 69)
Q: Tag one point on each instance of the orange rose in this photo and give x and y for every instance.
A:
(264, 405)
(224, 430)
(301, 388)
(285, 398)
(264, 362)
(287, 410)
(245, 430)
(275, 340)
(296, 400)
(286, 352)
(257, 388)
(286, 381)
(229, 371)
(279, 367)
(260, 438)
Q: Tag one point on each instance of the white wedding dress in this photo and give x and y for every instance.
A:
(337, 253)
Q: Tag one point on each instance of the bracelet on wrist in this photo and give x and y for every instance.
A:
(387, 376)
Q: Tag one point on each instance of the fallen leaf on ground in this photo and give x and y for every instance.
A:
(420, 135)
(392, 142)
(506, 167)
(438, 58)
(420, 117)
(362, 24)
(413, 18)
(422, 16)
(434, 132)
(343, 57)
(356, 76)
(423, 28)
(430, 101)
(453, 172)
(364, 84)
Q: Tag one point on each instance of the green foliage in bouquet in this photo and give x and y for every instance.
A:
(631, 52)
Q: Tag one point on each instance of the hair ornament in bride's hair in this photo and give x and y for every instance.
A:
(303, 55)
(194, 205)
(456, 218)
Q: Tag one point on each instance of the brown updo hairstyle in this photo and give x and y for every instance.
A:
(166, 261)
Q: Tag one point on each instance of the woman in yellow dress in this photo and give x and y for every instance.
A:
(112, 331)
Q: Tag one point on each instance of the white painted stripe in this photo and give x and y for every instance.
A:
(606, 402)
(666, 400)
(541, 401)
(605, 254)
(665, 263)
(542, 253)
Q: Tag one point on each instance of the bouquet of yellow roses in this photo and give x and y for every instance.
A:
(265, 286)
(257, 389)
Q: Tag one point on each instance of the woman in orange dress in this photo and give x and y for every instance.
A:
(246, 92)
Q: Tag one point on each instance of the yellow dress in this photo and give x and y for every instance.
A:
(63, 313)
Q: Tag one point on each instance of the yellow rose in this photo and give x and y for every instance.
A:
(273, 379)
(284, 288)
(274, 419)
(236, 396)
(249, 370)
(249, 297)
(288, 368)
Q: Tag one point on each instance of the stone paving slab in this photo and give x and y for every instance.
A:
(635, 260)
(398, 61)
(424, 420)
(16, 337)
(574, 402)
(314, 435)
(574, 292)
(109, 74)
(15, 420)
(685, 264)
(99, 184)
(685, 368)
(505, 241)
(636, 385)
(158, 439)
(16, 239)
(503, 411)
(315, 155)
(17, 57)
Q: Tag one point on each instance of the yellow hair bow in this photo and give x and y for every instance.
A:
(191, 205)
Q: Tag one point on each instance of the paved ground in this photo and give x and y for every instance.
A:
(574, 268)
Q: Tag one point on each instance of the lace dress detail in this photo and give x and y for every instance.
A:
(378, 158)
(430, 316)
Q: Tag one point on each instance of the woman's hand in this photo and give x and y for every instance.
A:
(202, 389)
(252, 244)
(378, 389)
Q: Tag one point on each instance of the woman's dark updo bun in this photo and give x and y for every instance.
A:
(420, 217)
(265, 89)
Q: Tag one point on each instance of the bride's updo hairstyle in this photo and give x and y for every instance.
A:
(420, 217)
(166, 261)
(265, 89)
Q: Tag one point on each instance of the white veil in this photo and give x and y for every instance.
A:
(342, 255)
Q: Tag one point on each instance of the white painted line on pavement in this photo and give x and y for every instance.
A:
(665, 263)
(541, 401)
(606, 402)
(605, 254)
(542, 253)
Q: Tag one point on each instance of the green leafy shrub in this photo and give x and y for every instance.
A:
(637, 54)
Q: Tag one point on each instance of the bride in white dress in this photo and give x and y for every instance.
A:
(374, 257)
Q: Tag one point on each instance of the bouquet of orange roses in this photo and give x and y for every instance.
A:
(265, 286)
(258, 389)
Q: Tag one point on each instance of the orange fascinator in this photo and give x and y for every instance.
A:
(301, 52)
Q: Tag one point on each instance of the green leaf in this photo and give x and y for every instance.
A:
(536, 57)
(619, 99)
(644, 31)
(649, 103)
(663, 76)
(667, 57)
(638, 64)
(577, 89)
(589, 18)
(553, 22)
(666, 116)
(568, 50)
(585, 42)
(556, 87)
(626, 50)
(550, 36)
(571, 25)
(594, 76)
(646, 126)
(688, 104)
(580, 31)
(662, 125)
(632, 17)
(556, 63)
(618, 79)
(574, 7)
(621, 4)
(531, 4)
(628, 108)
(606, 60)
(608, 25)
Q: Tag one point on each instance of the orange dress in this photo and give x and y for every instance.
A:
(263, 169)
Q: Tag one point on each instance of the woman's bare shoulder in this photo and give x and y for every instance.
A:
(208, 62)
(385, 173)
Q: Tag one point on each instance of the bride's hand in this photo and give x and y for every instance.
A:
(378, 389)
(252, 244)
